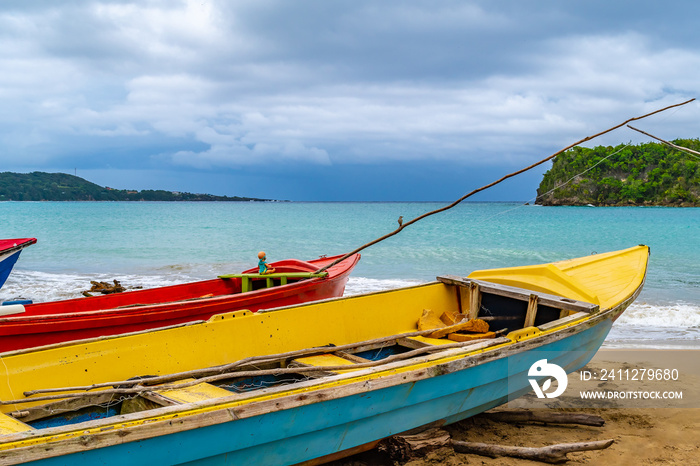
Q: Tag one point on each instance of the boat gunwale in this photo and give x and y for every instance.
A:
(136, 308)
(18, 247)
(172, 419)
(238, 407)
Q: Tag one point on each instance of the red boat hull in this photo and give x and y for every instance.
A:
(59, 321)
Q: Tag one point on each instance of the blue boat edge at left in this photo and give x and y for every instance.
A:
(9, 256)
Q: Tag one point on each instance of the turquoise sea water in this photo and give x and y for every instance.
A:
(153, 244)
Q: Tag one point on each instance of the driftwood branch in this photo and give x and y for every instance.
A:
(405, 447)
(549, 454)
(670, 144)
(494, 183)
(250, 361)
(137, 386)
(546, 417)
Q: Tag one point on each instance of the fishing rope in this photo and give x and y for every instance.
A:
(484, 220)
(403, 225)
(7, 377)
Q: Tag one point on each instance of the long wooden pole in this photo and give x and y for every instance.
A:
(253, 360)
(138, 388)
(510, 175)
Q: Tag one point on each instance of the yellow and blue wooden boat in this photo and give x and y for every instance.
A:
(309, 383)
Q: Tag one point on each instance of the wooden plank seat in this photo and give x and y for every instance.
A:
(327, 359)
(191, 394)
(157, 397)
(422, 342)
(247, 278)
(10, 425)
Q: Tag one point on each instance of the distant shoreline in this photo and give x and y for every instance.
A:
(58, 187)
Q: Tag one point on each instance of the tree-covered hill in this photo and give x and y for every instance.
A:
(40, 186)
(645, 174)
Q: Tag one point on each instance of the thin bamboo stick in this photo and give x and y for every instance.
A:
(227, 367)
(680, 148)
(137, 388)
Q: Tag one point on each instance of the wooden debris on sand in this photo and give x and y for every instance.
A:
(548, 454)
(105, 288)
(547, 417)
(406, 447)
(418, 443)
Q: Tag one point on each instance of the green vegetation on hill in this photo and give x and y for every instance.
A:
(39, 186)
(646, 174)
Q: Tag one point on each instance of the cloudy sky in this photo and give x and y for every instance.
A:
(334, 100)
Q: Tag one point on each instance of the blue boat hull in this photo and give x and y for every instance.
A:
(315, 430)
(6, 265)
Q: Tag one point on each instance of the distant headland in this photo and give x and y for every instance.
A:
(648, 174)
(40, 186)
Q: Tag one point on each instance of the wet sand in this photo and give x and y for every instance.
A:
(646, 431)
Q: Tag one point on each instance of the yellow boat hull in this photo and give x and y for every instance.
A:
(425, 377)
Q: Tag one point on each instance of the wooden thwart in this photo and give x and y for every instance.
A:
(327, 360)
(247, 278)
(544, 299)
(531, 311)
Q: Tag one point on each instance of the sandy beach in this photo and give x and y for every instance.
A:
(645, 431)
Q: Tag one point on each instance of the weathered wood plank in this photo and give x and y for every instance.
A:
(563, 321)
(549, 454)
(531, 311)
(521, 294)
(402, 447)
(74, 404)
(544, 416)
(351, 357)
(474, 300)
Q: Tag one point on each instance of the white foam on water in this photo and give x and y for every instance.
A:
(42, 286)
(360, 285)
(659, 326)
(681, 314)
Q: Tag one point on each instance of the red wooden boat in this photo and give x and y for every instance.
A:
(293, 282)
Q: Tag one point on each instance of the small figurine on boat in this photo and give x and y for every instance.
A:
(262, 265)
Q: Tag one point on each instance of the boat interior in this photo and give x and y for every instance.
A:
(464, 313)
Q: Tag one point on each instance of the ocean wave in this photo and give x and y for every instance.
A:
(673, 315)
(360, 285)
(43, 286)
(656, 338)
